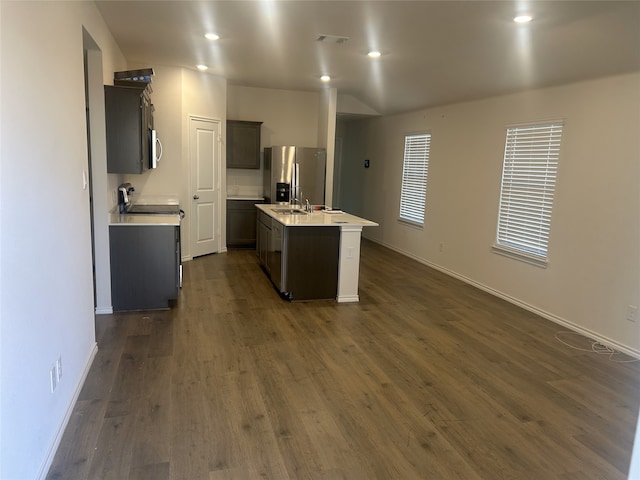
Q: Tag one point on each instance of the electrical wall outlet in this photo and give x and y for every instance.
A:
(55, 374)
(632, 313)
(53, 377)
(59, 369)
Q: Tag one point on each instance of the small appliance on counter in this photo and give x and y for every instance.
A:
(124, 191)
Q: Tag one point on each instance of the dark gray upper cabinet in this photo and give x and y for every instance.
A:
(129, 121)
(243, 144)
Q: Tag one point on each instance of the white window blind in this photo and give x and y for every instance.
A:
(528, 185)
(414, 177)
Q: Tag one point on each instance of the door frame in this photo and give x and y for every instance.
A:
(98, 181)
(219, 212)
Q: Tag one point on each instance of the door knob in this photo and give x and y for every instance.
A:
(196, 197)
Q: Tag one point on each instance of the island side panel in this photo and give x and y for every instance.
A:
(349, 263)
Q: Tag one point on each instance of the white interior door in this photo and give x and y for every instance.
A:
(204, 161)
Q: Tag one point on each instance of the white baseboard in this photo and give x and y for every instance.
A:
(44, 469)
(549, 316)
(104, 310)
(347, 298)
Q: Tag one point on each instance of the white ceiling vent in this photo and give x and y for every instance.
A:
(336, 39)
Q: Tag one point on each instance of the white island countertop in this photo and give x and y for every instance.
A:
(318, 218)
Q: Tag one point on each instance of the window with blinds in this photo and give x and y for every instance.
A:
(528, 185)
(414, 177)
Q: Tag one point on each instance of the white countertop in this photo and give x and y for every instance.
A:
(245, 197)
(129, 220)
(318, 218)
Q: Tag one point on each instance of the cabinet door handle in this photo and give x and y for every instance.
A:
(196, 197)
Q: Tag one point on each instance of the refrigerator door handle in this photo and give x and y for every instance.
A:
(296, 182)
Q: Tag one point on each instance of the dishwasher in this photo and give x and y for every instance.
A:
(275, 256)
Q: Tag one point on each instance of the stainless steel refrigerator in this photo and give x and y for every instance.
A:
(294, 174)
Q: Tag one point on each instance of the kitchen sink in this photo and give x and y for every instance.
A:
(289, 211)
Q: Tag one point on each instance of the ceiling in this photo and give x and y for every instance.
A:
(433, 52)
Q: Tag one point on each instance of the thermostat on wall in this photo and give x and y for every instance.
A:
(366, 164)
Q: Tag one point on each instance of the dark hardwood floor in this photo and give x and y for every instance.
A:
(425, 378)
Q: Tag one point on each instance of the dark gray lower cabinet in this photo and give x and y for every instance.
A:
(241, 223)
(310, 262)
(145, 266)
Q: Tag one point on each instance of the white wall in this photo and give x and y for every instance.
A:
(46, 273)
(348, 104)
(289, 118)
(594, 259)
(178, 93)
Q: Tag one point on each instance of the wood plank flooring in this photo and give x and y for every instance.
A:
(425, 378)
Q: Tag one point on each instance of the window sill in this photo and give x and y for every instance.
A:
(410, 223)
(523, 257)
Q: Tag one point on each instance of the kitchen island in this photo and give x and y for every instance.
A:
(310, 256)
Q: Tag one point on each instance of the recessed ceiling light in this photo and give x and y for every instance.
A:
(211, 36)
(202, 68)
(523, 18)
(374, 54)
(325, 78)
